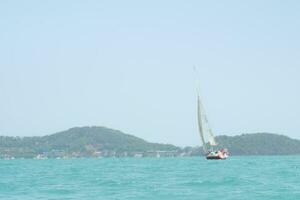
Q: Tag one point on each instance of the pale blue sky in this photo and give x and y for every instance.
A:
(128, 65)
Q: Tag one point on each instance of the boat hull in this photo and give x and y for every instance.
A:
(212, 158)
(217, 155)
(215, 158)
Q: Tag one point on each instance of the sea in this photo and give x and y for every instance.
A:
(187, 178)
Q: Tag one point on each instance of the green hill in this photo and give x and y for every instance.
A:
(260, 144)
(80, 142)
(104, 142)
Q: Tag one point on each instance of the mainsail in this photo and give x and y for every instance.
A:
(204, 129)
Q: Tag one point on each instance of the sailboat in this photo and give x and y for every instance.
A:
(207, 137)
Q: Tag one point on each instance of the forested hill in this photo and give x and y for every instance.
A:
(260, 144)
(105, 142)
(81, 142)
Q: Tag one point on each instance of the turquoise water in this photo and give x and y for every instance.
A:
(263, 177)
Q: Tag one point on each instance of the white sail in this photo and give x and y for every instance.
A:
(200, 124)
(211, 139)
(210, 136)
(204, 129)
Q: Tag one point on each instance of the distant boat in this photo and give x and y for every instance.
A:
(206, 134)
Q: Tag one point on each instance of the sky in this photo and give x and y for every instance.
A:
(128, 65)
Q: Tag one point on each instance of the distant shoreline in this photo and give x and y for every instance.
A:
(95, 142)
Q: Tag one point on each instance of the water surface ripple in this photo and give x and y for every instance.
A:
(253, 177)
